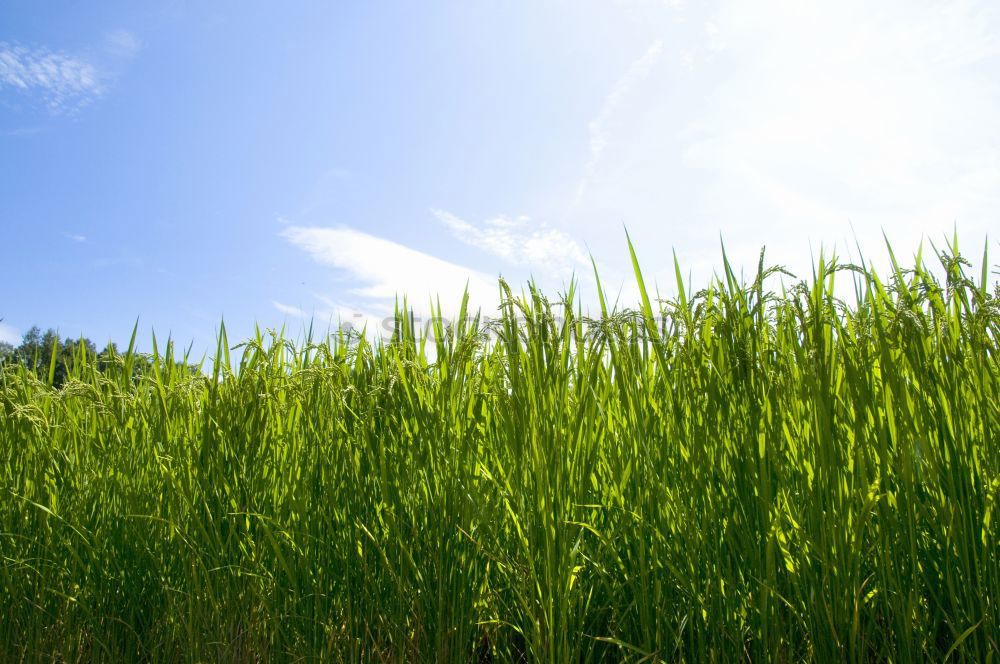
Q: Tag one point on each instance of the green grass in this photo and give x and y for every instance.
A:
(736, 475)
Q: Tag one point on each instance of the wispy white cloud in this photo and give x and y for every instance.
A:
(520, 241)
(122, 43)
(288, 309)
(63, 82)
(381, 269)
(598, 127)
(75, 237)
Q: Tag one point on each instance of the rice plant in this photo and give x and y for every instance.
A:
(756, 471)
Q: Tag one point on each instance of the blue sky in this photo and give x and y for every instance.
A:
(177, 162)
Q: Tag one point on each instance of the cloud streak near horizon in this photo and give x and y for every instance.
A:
(380, 270)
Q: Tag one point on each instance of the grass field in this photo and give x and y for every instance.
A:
(751, 472)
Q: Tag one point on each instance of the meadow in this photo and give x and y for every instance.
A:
(760, 470)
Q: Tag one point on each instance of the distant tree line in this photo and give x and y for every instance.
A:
(36, 350)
